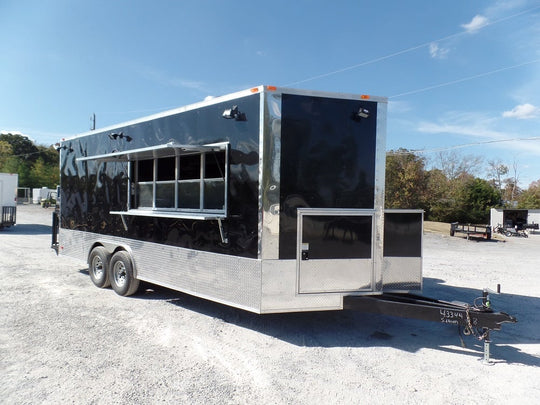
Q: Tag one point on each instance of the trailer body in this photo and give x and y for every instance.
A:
(40, 194)
(8, 199)
(269, 199)
(512, 219)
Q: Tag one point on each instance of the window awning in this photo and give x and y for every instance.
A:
(153, 152)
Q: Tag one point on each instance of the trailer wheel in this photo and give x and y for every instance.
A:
(121, 274)
(98, 269)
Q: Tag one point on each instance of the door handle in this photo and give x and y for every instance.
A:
(305, 251)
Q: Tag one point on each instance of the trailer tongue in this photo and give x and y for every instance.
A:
(477, 320)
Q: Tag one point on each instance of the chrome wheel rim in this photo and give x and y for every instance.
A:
(120, 274)
(97, 267)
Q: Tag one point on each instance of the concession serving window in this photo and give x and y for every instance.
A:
(174, 180)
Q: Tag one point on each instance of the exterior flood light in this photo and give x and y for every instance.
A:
(233, 112)
(120, 135)
(360, 114)
(363, 113)
(64, 147)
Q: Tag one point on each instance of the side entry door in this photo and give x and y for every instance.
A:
(335, 250)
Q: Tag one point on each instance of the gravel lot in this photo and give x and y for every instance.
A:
(64, 341)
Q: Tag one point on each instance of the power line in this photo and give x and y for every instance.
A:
(147, 110)
(412, 48)
(23, 154)
(372, 61)
(464, 145)
(464, 79)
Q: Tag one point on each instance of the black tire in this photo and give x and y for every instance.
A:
(121, 274)
(98, 267)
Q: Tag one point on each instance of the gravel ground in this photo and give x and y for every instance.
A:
(64, 341)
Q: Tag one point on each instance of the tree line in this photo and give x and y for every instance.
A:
(36, 165)
(448, 191)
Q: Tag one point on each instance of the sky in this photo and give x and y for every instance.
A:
(461, 77)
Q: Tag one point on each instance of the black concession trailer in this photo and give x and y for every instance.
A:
(269, 199)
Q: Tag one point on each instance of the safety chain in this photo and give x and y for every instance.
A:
(470, 327)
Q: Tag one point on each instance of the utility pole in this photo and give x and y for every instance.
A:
(93, 122)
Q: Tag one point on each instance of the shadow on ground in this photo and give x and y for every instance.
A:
(355, 329)
(28, 229)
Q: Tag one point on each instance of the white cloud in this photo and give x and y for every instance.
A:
(39, 137)
(523, 112)
(476, 23)
(399, 107)
(3, 132)
(165, 79)
(437, 52)
(480, 129)
(468, 130)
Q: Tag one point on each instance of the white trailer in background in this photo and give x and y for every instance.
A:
(39, 194)
(514, 218)
(8, 198)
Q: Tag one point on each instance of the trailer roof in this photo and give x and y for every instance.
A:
(232, 96)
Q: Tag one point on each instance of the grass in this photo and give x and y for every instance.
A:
(437, 227)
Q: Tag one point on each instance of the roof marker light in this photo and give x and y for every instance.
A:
(254, 90)
(364, 97)
(271, 88)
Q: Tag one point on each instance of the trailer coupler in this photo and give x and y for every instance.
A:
(476, 320)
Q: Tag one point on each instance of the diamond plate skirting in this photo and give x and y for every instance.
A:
(231, 280)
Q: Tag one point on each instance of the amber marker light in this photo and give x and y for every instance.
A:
(255, 90)
(271, 88)
(364, 97)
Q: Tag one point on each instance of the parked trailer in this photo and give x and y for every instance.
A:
(512, 217)
(8, 199)
(269, 200)
(39, 194)
(471, 230)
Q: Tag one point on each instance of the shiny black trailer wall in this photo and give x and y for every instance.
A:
(90, 189)
(403, 234)
(327, 160)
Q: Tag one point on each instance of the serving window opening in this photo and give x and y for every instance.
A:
(194, 182)
(174, 180)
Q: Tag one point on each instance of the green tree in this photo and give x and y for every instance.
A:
(43, 175)
(20, 145)
(478, 197)
(406, 180)
(5, 152)
(440, 200)
(36, 165)
(530, 198)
